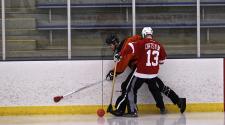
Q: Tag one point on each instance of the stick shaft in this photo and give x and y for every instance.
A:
(113, 83)
(82, 88)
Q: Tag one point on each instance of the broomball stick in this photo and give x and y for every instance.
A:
(60, 97)
(110, 108)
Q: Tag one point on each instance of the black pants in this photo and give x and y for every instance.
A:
(167, 91)
(136, 83)
(122, 101)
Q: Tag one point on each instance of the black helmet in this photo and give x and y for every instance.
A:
(112, 39)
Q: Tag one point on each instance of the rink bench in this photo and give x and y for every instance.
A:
(128, 26)
(113, 5)
(51, 27)
(51, 5)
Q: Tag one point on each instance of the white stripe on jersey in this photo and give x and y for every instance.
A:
(161, 61)
(132, 46)
(145, 76)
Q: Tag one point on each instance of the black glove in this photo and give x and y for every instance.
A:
(109, 76)
(117, 57)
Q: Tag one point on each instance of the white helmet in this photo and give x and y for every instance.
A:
(146, 31)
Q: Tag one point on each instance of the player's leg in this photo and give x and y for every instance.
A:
(167, 91)
(128, 80)
(121, 102)
(120, 105)
(180, 102)
(136, 83)
(152, 85)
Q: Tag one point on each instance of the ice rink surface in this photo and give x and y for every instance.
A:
(209, 118)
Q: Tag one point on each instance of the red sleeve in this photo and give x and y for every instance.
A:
(163, 55)
(129, 45)
(126, 53)
(123, 63)
(128, 49)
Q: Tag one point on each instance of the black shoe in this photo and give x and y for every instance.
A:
(163, 111)
(132, 114)
(110, 108)
(182, 104)
(116, 113)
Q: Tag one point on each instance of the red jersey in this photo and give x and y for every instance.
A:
(129, 58)
(149, 53)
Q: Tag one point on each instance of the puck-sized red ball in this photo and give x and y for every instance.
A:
(100, 112)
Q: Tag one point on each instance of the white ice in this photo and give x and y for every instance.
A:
(207, 118)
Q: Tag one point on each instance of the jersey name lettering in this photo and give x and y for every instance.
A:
(152, 46)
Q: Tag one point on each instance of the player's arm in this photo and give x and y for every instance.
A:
(128, 49)
(163, 55)
(121, 65)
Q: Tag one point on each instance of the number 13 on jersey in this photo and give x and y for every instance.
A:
(152, 61)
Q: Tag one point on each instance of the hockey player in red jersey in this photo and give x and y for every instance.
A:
(129, 60)
(150, 54)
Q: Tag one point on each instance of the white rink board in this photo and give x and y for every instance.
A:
(35, 83)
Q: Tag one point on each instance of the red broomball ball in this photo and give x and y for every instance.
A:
(100, 112)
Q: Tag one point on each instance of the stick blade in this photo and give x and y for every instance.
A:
(57, 98)
(110, 108)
